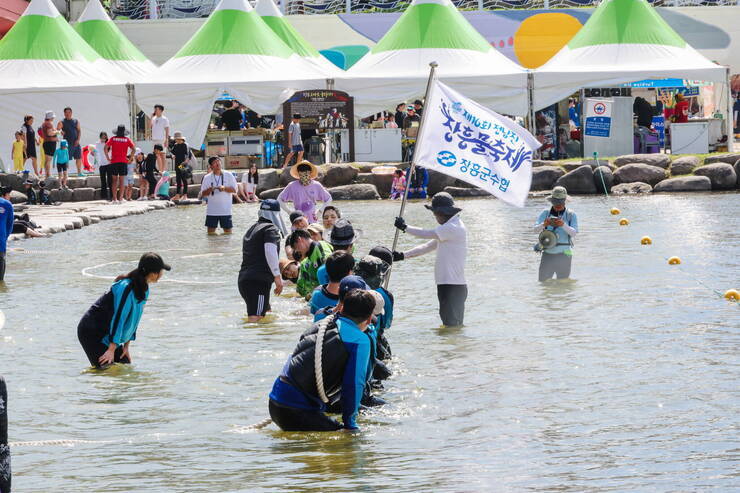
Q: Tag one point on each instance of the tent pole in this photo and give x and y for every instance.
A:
(730, 123)
(131, 109)
(530, 102)
(582, 116)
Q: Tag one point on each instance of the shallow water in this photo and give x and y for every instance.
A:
(622, 379)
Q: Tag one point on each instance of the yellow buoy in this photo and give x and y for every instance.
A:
(615, 211)
(732, 295)
(674, 261)
(624, 222)
(646, 240)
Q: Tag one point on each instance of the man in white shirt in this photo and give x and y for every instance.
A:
(450, 239)
(217, 188)
(160, 134)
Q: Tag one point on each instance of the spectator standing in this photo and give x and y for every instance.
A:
(400, 114)
(101, 158)
(181, 153)
(150, 167)
(6, 225)
(681, 110)
(18, 153)
(140, 162)
(120, 151)
(412, 121)
(50, 140)
(31, 141)
(128, 180)
(294, 140)
(304, 192)
(217, 186)
(61, 161)
(231, 119)
(70, 129)
(160, 134)
(418, 107)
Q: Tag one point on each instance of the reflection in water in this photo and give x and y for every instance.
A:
(589, 385)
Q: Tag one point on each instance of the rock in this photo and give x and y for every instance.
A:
(364, 167)
(580, 180)
(189, 202)
(193, 191)
(92, 182)
(51, 183)
(632, 172)
(684, 184)
(17, 197)
(438, 182)
(60, 195)
(83, 194)
(12, 180)
(338, 174)
(722, 175)
(198, 176)
(269, 178)
(737, 172)
(722, 158)
(594, 162)
(603, 179)
(544, 177)
(271, 193)
(285, 177)
(76, 182)
(631, 188)
(466, 192)
(382, 182)
(537, 163)
(568, 167)
(684, 165)
(358, 191)
(658, 160)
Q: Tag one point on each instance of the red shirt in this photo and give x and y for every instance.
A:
(681, 112)
(119, 147)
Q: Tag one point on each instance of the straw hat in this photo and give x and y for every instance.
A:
(179, 136)
(314, 169)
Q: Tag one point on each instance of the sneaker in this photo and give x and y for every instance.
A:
(81, 175)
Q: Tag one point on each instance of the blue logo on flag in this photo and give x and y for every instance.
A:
(447, 159)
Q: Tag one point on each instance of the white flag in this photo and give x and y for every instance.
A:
(463, 139)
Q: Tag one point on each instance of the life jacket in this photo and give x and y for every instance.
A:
(302, 364)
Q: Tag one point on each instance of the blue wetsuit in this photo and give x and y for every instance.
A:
(6, 228)
(321, 298)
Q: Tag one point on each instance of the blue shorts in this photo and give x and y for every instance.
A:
(75, 152)
(298, 148)
(215, 221)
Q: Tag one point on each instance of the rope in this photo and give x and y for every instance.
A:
(317, 360)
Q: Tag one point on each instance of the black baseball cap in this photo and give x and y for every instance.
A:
(297, 116)
(151, 262)
(383, 253)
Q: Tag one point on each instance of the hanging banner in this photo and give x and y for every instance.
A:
(598, 117)
(463, 139)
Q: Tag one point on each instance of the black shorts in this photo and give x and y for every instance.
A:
(62, 167)
(30, 151)
(117, 169)
(257, 296)
(215, 221)
(75, 152)
(291, 419)
(50, 147)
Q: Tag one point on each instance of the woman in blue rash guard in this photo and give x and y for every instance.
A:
(109, 326)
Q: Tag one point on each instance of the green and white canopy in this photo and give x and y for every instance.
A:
(46, 65)
(397, 67)
(623, 41)
(287, 33)
(102, 34)
(233, 51)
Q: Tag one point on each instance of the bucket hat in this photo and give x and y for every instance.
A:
(558, 196)
(120, 130)
(314, 169)
(179, 136)
(343, 233)
(443, 203)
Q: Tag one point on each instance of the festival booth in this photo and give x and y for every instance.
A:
(622, 42)
(235, 52)
(397, 67)
(102, 34)
(46, 65)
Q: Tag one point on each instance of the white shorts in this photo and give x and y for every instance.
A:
(128, 180)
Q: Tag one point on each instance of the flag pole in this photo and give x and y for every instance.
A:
(432, 70)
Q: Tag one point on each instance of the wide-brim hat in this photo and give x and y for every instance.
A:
(344, 234)
(558, 196)
(121, 128)
(314, 170)
(443, 203)
(179, 136)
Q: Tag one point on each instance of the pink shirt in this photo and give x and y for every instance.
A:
(304, 198)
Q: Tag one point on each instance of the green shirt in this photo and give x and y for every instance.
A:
(315, 258)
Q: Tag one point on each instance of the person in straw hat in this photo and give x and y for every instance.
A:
(450, 239)
(556, 259)
(305, 191)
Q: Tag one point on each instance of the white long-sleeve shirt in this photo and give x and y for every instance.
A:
(451, 242)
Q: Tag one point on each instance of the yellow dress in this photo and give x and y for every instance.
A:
(19, 158)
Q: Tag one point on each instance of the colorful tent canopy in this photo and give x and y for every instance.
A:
(102, 34)
(46, 65)
(623, 41)
(233, 51)
(434, 31)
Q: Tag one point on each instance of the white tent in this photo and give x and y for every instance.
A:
(46, 65)
(233, 51)
(397, 68)
(287, 33)
(623, 41)
(102, 34)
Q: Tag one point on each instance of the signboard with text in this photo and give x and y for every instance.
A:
(598, 117)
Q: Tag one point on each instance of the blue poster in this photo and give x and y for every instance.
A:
(659, 126)
(598, 118)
